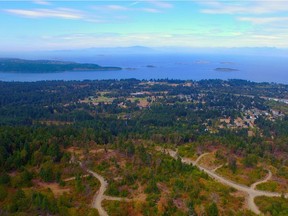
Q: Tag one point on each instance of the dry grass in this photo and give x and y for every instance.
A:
(56, 189)
(245, 176)
(210, 161)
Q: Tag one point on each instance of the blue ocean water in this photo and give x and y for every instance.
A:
(172, 66)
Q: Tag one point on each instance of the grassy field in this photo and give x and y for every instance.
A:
(278, 106)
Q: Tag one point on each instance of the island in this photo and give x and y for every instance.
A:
(48, 66)
(150, 66)
(226, 69)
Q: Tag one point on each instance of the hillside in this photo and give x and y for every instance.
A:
(161, 147)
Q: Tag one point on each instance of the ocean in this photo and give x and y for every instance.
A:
(171, 66)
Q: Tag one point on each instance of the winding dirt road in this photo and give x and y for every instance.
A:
(99, 196)
(216, 168)
(199, 158)
(267, 178)
(250, 191)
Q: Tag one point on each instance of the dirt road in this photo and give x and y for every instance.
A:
(99, 196)
(267, 178)
(250, 191)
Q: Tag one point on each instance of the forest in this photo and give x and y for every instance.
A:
(238, 129)
(47, 66)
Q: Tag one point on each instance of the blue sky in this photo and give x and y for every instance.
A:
(55, 25)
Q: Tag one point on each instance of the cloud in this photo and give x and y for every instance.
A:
(266, 37)
(41, 2)
(153, 39)
(157, 3)
(134, 3)
(263, 20)
(47, 13)
(117, 8)
(245, 7)
(150, 10)
(60, 13)
(114, 8)
(161, 4)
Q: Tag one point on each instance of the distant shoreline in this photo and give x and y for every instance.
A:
(48, 66)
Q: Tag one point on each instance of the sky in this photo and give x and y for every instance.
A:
(77, 24)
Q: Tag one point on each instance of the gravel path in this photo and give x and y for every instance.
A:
(99, 196)
(267, 178)
(250, 191)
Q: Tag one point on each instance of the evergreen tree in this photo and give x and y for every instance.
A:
(212, 210)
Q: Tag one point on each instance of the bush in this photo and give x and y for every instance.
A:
(3, 193)
(212, 210)
(4, 178)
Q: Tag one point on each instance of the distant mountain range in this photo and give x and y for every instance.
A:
(47, 66)
(142, 50)
(170, 50)
(115, 50)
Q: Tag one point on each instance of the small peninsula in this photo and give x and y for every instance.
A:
(48, 66)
